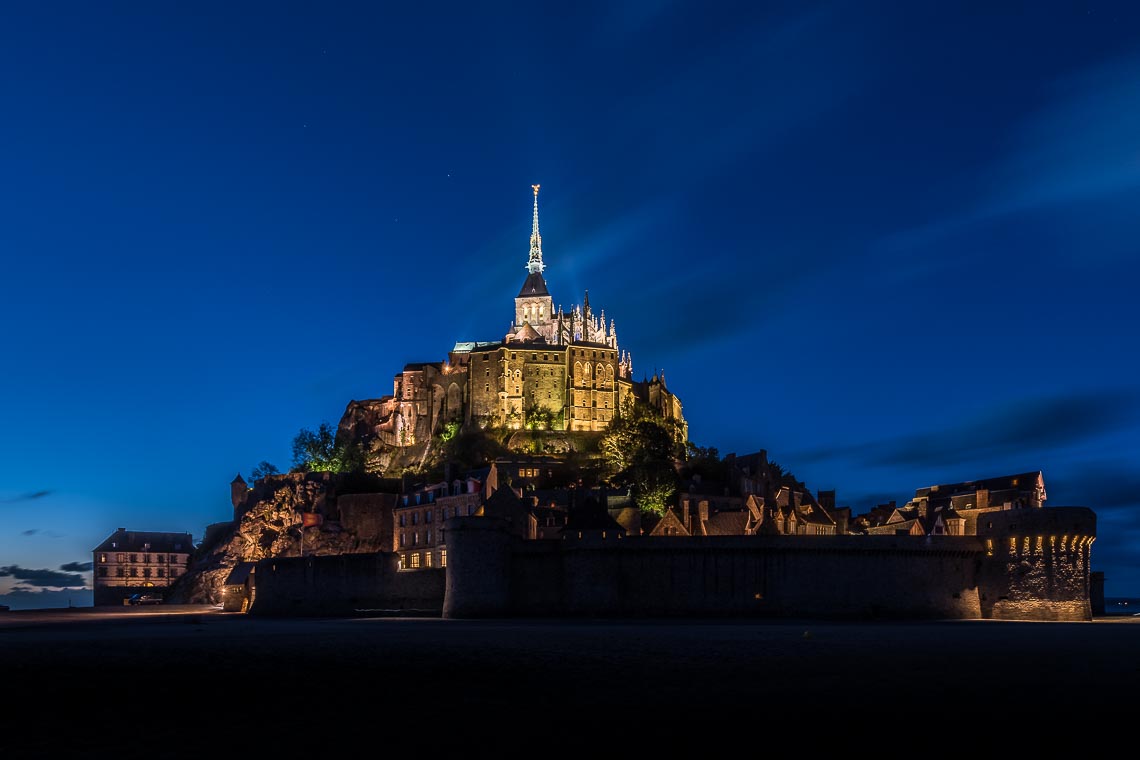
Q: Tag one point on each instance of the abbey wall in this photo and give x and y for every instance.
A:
(999, 574)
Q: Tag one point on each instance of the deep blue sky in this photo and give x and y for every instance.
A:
(892, 244)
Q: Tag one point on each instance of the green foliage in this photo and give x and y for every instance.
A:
(450, 429)
(263, 469)
(319, 451)
(539, 418)
(640, 450)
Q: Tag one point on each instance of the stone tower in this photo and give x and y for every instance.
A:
(238, 491)
(533, 305)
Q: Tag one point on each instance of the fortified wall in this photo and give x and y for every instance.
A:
(346, 584)
(1030, 564)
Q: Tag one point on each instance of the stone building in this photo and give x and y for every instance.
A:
(955, 509)
(555, 368)
(129, 561)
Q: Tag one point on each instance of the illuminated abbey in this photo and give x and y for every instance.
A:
(554, 369)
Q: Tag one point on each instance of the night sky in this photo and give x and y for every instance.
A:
(893, 244)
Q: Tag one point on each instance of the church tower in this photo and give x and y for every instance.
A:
(533, 305)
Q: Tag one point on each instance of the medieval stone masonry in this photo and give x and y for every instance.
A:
(554, 369)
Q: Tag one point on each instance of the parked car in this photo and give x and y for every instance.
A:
(145, 599)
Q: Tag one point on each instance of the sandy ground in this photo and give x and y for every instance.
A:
(196, 682)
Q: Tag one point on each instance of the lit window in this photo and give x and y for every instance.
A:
(443, 557)
(415, 557)
(427, 559)
(102, 557)
(415, 538)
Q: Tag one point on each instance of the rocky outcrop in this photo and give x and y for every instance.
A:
(283, 515)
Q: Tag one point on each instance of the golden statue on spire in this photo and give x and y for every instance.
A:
(535, 190)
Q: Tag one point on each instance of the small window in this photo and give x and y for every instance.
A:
(415, 557)
(120, 572)
(427, 559)
(443, 557)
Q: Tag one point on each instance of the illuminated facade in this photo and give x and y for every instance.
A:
(554, 369)
(131, 561)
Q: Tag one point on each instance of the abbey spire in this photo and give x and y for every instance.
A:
(535, 265)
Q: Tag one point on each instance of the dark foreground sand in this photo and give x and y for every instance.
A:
(195, 682)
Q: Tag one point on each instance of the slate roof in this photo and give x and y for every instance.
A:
(1024, 482)
(534, 285)
(726, 523)
(137, 541)
(240, 574)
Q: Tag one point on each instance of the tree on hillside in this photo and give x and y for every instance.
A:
(319, 451)
(640, 450)
(262, 469)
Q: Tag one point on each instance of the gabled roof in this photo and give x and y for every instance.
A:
(534, 285)
(527, 334)
(146, 541)
(732, 523)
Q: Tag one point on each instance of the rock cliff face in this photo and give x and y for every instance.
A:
(274, 525)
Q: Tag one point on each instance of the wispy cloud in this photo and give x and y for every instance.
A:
(1085, 143)
(37, 531)
(1031, 426)
(43, 578)
(26, 497)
